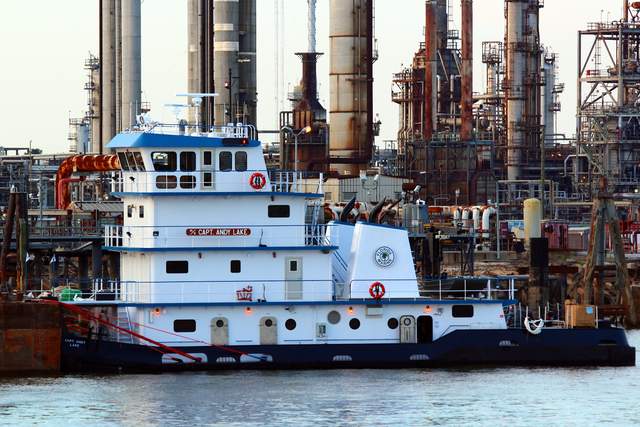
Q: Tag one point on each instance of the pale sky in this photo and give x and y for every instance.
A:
(44, 44)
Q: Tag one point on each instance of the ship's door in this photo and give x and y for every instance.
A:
(408, 330)
(293, 278)
(206, 170)
(425, 329)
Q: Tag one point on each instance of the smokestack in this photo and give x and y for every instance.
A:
(516, 69)
(430, 70)
(467, 71)
(312, 25)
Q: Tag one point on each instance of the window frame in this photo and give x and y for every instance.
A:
(175, 264)
(243, 162)
(233, 264)
(272, 209)
(222, 162)
(185, 330)
(468, 311)
(187, 161)
(172, 161)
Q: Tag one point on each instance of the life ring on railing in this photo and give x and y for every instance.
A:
(376, 290)
(257, 180)
(534, 327)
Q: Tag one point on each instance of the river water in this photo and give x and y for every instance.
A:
(507, 396)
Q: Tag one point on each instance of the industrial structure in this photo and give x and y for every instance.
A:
(222, 59)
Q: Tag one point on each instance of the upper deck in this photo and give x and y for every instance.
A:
(227, 160)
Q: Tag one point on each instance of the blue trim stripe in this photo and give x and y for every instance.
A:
(156, 140)
(220, 248)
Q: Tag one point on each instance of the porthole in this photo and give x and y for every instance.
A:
(392, 323)
(333, 317)
(290, 324)
(268, 323)
(354, 323)
(220, 323)
(407, 321)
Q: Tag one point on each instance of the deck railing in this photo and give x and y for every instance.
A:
(217, 236)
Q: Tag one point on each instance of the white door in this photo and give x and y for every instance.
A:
(207, 163)
(293, 278)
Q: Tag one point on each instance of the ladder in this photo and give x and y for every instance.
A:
(124, 321)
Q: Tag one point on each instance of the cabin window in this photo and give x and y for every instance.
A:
(139, 162)
(132, 161)
(188, 181)
(290, 324)
(184, 325)
(206, 159)
(462, 310)
(333, 317)
(241, 161)
(129, 211)
(207, 179)
(279, 211)
(166, 182)
(236, 266)
(354, 324)
(124, 165)
(177, 267)
(225, 161)
(141, 211)
(187, 161)
(164, 161)
(293, 265)
(392, 323)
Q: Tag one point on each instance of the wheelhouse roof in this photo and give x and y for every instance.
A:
(158, 140)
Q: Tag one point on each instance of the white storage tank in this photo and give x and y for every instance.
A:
(532, 219)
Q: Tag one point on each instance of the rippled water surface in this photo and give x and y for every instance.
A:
(510, 396)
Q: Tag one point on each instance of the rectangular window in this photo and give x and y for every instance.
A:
(139, 162)
(164, 161)
(188, 181)
(225, 161)
(236, 266)
(187, 161)
(166, 182)
(129, 211)
(207, 179)
(293, 265)
(462, 310)
(124, 165)
(241, 161)
(207, 158)
(132, 161)
(279, 211)
(177, 267)
(184, 325)
(141, 211)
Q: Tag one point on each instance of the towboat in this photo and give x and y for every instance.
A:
(227, 265)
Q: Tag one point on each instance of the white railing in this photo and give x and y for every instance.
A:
(215, 181)
(217, 236)
(465, 288)
(282, 291)
(225, 131)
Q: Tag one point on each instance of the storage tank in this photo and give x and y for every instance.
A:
(532, 219)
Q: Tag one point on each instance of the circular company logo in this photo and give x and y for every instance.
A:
(384, 256)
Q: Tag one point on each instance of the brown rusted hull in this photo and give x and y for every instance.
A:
(30, 338)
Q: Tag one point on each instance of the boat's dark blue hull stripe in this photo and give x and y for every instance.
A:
(601, 347)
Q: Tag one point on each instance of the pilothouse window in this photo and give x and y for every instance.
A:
(241, 161)
(225, 161)
(164, 161)
(187, 161)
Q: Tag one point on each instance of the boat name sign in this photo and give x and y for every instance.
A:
(205, 232)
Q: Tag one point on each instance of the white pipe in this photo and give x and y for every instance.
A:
(486, 218)
(475, 211)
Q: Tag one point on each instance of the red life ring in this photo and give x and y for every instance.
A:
(257, 181)
(376, 290)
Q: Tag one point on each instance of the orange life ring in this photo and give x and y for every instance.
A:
(376, 290)
(257, 180)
